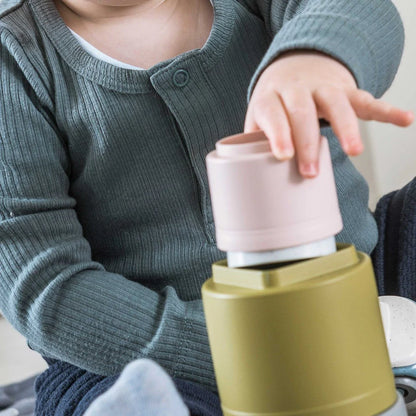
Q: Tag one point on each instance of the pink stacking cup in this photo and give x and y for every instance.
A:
(261, 204)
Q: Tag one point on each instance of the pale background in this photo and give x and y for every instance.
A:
(388, 163)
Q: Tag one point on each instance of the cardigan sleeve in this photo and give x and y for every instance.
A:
(68, 306)
(365, 35)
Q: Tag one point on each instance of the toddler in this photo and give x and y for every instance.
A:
(108, 110)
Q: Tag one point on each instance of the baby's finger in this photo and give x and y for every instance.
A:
(303, 118)
(271, 117)
(250, 124)
(369, 108)
(334, 105)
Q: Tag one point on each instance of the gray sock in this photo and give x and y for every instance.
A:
(143, 389)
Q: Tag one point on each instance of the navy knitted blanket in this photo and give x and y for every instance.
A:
(65, 390)
(394, 258)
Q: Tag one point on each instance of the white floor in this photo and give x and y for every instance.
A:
(17, 360)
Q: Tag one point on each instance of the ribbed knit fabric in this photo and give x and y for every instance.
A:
(106, 229)
(394, 257)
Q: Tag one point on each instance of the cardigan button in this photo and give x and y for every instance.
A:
(181, 77)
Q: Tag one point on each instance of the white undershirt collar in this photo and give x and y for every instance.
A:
(96, 53)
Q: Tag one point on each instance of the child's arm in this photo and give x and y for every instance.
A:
(68, 306)
(304, 74)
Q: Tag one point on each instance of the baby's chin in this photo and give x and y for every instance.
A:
(124, 3)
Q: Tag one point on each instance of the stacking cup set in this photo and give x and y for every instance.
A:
(293, 318)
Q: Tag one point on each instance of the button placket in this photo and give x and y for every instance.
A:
(169, 87)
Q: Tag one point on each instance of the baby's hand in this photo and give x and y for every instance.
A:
(299, 88)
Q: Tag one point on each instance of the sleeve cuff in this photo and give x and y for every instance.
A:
(195, 361)
(341, 38)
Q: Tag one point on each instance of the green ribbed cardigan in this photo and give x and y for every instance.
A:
(106, 229)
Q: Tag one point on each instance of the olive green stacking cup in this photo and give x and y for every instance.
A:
(302, 339)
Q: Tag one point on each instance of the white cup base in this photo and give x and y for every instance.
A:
(255, 258)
